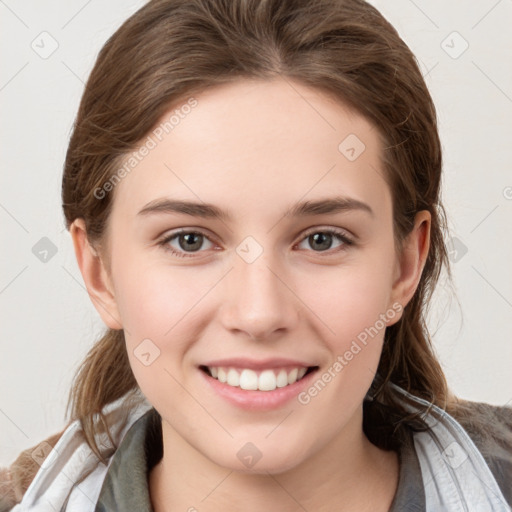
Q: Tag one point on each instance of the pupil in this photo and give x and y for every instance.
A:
(188, 237)
(324, 239)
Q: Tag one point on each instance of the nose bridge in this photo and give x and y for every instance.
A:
(258, 302)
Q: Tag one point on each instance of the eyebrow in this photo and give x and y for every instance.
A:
(210, 211)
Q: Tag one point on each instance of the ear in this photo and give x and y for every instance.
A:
(95, 275)
(411, 261)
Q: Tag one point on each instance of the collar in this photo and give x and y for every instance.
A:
(126, 487)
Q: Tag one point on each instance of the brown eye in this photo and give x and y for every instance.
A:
(188, 242)
(322, 240)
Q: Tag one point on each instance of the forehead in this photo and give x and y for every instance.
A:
(256, 145)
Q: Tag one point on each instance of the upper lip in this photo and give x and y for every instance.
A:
(257, 364)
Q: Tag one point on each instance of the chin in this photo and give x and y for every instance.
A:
(250, 459)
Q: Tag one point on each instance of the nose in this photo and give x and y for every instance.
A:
(258, 300)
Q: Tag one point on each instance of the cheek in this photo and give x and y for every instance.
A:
(348, 301)
(159, 307)
(163, 312)
(154, 300)
(352, 303)
(352, 309)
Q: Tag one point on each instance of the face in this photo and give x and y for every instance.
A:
(285, 268)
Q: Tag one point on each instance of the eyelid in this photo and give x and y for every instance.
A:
(329, 229)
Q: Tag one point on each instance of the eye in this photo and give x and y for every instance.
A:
(184, 242)
(321, 240)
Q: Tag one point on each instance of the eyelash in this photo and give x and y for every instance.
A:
(341, 235)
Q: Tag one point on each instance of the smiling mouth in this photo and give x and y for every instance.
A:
(265, 380)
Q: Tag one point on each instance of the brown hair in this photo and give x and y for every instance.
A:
(172, 49)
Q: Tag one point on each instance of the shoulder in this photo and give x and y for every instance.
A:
(37, 475)
(490, 429)
(489, 426)
(15, 480)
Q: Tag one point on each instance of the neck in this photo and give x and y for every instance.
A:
(349, 473)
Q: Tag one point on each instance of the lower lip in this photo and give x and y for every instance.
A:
(258, 400)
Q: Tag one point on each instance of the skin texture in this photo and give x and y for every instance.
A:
(256, 148)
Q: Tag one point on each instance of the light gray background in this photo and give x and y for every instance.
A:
(48, 322)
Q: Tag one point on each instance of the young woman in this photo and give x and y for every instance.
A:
(252, 190)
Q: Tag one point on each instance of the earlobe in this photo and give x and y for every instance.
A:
(95, 275)
(412, 260)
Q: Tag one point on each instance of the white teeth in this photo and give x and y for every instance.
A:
(248, 379)
(282, 379)
(233, 378)
(292, 376)
(222, 375)
(267, 381)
